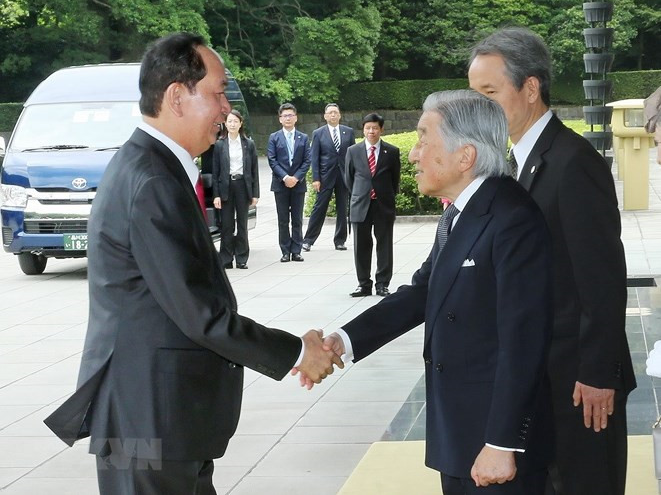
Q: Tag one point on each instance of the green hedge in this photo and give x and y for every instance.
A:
(409, 201)
(398, 95)
(9, 113)
(408, 95)
(635, 84)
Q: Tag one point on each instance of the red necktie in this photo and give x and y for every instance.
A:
(199, 192)
(371, 161)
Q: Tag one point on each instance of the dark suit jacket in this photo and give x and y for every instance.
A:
(574, 188)
(487, 331)
(327, 162)
(221, 168)
(360, 182)
(278, 157)
(165, 346)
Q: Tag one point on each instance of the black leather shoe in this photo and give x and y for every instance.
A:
(228, 266)
(285, 258)
(361, 292)
(382, 291)
(242, 266)
(306, 246)
(340, 247)
(296, 257)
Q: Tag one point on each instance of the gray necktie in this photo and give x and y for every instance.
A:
(336, 140)
(444, 225)
(290, 145)
(514, 167)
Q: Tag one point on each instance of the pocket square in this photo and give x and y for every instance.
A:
(468, 262)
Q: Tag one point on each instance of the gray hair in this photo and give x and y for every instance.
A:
(467, 117)
(525, 55)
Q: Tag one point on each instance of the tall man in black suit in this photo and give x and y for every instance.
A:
(484, 294)
(288, 154)
(161, 375)
(372, 176)
(329, 148)
(589, 362)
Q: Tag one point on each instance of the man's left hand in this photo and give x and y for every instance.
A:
(598, 404)
(493, 466)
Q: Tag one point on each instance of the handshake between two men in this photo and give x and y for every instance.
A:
(319, 357)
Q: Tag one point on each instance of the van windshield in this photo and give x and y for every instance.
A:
(75, 126)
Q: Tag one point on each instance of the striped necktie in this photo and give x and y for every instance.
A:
(371, 161)
(444, 225)
(336, 140)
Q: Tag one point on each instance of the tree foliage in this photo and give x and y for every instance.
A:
(305, 49)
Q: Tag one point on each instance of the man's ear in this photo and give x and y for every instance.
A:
(468, 157)
(532, 88)
(172, 98)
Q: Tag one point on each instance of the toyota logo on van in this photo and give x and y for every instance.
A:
(79, 183)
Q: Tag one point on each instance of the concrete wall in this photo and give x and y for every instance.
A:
(395, 121)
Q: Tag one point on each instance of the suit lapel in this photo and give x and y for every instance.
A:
(175, 167)
(383, 160)
(446, 265)
(225, 163)
(535, 161)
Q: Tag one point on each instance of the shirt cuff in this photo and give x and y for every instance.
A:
(507, 449)
(300, 356)
(348, 348)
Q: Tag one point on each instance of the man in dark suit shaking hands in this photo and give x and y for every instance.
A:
(329, 148)
(288, 154)
(589, 365)
(484, 294)
(160, 382)
(372, 176)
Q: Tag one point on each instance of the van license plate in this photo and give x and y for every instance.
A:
(75, 242)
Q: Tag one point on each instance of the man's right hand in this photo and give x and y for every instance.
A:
(217, 204)
(290, 181)
(316, 185)
(333, 343)
(317, 361)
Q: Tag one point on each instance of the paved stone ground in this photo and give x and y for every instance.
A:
(290, 441)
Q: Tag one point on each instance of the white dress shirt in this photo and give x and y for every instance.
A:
(236, 155)
(184, 157)
(376, 150)
(523, 148)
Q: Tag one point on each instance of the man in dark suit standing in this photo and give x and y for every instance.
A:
(589, 363)
(161, 374)
(288, 154)
(484, 294)
(372, 176)
(329, 148)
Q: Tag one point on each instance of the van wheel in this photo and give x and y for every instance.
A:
(32, 264)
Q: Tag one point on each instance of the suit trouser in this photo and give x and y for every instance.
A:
(121, 475)
(320, 208)
(362, 247)
(588, 462)
(234, 214)
(289, 207)
(526, 484)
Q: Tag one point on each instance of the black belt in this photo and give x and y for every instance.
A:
(236, 176)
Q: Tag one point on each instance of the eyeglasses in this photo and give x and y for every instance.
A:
(288, 115)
